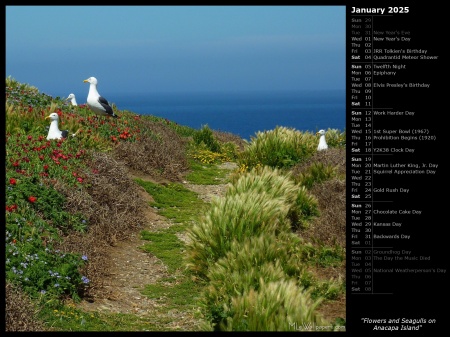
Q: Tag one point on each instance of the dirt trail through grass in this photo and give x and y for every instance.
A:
(132, 269)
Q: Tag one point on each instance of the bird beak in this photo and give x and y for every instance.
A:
(317, 132)
(47, 117)
(85, 81)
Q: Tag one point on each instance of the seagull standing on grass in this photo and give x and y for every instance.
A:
(322, 142)
(72, 99)
(97, 103)
(54, 132)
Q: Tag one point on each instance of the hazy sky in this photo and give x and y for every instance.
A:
(175, 48)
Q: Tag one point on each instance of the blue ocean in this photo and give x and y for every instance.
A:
(243, 113)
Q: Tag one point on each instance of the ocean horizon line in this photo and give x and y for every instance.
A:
(241, 112)
(112, 94)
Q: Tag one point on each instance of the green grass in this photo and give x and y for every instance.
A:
(177, 292)
(316, 173)
(330, 256)
(68, 318)
(206, 174)
(166, 247)
(173, 200)
(323, 256)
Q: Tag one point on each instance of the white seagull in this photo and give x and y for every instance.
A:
(54, 132)
(72, 99)
(322, 142)
(97, 103)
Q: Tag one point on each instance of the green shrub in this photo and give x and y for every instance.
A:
(206, 156)
(226, 285)
(34, 221)
(32, 262)
(31, 193)
(276, 306)
(335, 138)
(260, 201)
(266, 257)
(279, 148)
(13, 84)
(205, 136)
(229, 151)
(264, 179)
(305, 208)
(208, 150)
(316, 173)
(330, 289)
(235, 217)
(302, 205)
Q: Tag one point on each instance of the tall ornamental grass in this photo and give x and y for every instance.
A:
(260, 201)
(305, 208)
(264, 179)
(302, 205)
(266, 257)
(244, 245)
(316, 173)
(281, 147)
(235, 217)
(276, 306)
(335, 138)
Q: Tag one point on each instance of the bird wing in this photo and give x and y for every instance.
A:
(64, 133)
(104, 103)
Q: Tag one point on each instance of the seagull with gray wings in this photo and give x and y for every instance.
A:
(98, 104)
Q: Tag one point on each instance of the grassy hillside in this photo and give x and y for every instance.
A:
(69, 200)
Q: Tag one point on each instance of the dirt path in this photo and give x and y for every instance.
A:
(132, 269)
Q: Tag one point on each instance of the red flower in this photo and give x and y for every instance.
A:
(80, 180)
(45, 167)
(11, 208)
(12, 181)
(32, 199)
(30, 137)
